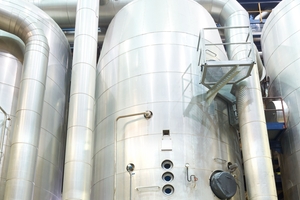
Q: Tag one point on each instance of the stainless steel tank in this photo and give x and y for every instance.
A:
(281, 53)
(149, 62)
(10, 73)
(48, 170)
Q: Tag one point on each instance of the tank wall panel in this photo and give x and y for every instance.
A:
(281, 52)
(149, 62)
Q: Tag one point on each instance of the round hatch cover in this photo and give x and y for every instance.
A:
(223, 184)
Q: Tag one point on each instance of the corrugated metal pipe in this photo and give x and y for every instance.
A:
(79, 149)
(21, 171)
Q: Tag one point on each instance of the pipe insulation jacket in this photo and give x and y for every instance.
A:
(46, 46)
(23, 157)
(79, 149)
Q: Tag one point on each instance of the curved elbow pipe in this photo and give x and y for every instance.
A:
(35, 29)
(29, 110)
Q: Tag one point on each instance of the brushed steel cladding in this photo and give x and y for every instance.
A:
(149, 62)
(281, 52)
(10, 73)
(51, 139)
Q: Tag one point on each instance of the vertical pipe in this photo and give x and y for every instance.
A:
(20, 176)
(79, 149)
(255, 143)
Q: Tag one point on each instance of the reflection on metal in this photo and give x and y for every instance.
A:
(37, 146)
(142, 68)
(10, 75)
(276, 110)
(30, 104)
(79, 147)
(282, 60)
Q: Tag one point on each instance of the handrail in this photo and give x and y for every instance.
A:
(201, 44)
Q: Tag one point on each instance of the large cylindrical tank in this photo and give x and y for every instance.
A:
(10, 74)
(281, 53)
(149, 62)
(49, 165)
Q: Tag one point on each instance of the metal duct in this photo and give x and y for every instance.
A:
(21, 170)
(79, 150)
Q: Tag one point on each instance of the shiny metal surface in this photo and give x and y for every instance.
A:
(12, 44)
(260, 184)
(281, 56)
(70, 37)
(20, 175)
(254, 138)
(37, 146)
(149, 67)
(64, 12)
(10, 73)
(79, 148)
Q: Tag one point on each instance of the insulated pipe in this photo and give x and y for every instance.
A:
(254, 137)
(70, 37)
(260, 65)
(255, 144)
(22, 164)
(79, 149)
(262, 15)
(64, 12)
(256, 151)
